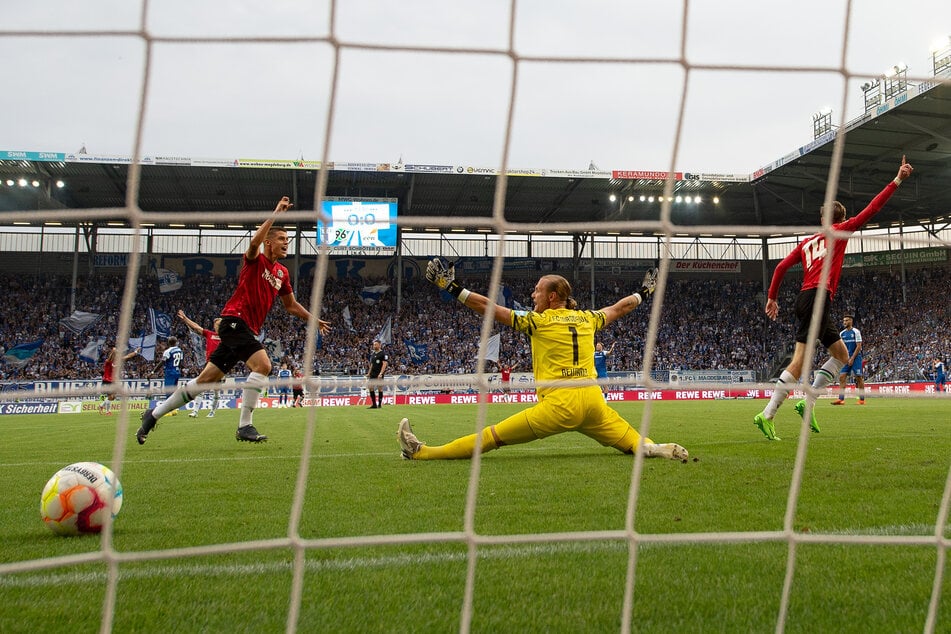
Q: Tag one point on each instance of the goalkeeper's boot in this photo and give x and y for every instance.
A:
(148, 424)
(648, 284)
(249, 434)
(669, 450)
(801, 410)
(409, 443)
(766, 426)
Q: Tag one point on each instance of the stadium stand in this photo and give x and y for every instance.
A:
(706, 324)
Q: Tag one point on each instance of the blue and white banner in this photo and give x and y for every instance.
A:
(90, 354)
(161, 323)
(42, 407)
(386, 333)
(79, 321)
(492, 348)
(504, 296)
(20, 354)
(197, 344)
(168, 280)
(418, 352)
(146, 344)
(348, 319)
(372, 294)
(275, 350)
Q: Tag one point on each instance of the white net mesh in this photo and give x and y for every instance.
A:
(515, 71)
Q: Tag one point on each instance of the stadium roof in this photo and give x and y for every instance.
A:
(789, 191)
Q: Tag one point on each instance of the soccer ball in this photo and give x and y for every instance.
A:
(76, 499)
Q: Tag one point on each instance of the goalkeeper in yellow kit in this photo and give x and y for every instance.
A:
(569, 399)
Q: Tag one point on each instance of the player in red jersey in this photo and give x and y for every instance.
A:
(261, 279)
(813, 252)
(108, 370)
(211, 342)
(505, 375)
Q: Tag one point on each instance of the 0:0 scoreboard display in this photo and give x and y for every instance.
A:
(358, 226)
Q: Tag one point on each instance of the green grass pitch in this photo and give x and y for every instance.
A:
(874, 470)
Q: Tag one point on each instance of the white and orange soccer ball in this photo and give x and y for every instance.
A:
(78, 497)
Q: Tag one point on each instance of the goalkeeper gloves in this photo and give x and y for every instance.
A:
(445, 278)
(648, 285)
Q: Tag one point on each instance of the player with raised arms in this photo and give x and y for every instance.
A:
(812, 252)
(212, 339)
(261, 279)
(569, 398)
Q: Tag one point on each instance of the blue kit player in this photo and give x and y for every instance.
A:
(852, 338)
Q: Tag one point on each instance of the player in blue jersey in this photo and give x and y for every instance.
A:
(939, 378)
(601, 363)
(285, 390)
(852, 338)
(171, 363)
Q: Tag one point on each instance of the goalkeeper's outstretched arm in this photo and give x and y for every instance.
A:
(632, 301)
(445, 278)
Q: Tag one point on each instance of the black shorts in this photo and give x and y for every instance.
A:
(828, 332)
(238, 343)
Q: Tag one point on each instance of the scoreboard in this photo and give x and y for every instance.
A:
(358, 226)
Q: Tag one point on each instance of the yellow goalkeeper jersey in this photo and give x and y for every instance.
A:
(562, 343)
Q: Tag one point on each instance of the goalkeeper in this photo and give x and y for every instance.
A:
(569, 398)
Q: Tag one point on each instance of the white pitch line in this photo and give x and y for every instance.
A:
(14, 580)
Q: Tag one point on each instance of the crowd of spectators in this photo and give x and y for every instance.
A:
(704, 324)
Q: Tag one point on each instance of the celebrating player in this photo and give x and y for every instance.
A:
(262, 278)
(852, 338)
(212, 339)
(562, 351)
(505, 375)
(939, 377)
(812, 253)
(108, 369)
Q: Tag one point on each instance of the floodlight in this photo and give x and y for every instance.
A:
(941, 56)
(896, 81)
(821, 123)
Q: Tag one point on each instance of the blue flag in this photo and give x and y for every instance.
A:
(90, 353)
(372, 294)
(418, 352)
(161, 323)
(386, 333)
(145, 344)
(168, 280)
(20, 354)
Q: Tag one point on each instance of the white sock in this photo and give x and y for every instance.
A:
(824, 376)
(182, 396)
(786, 383)
(253, 387)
